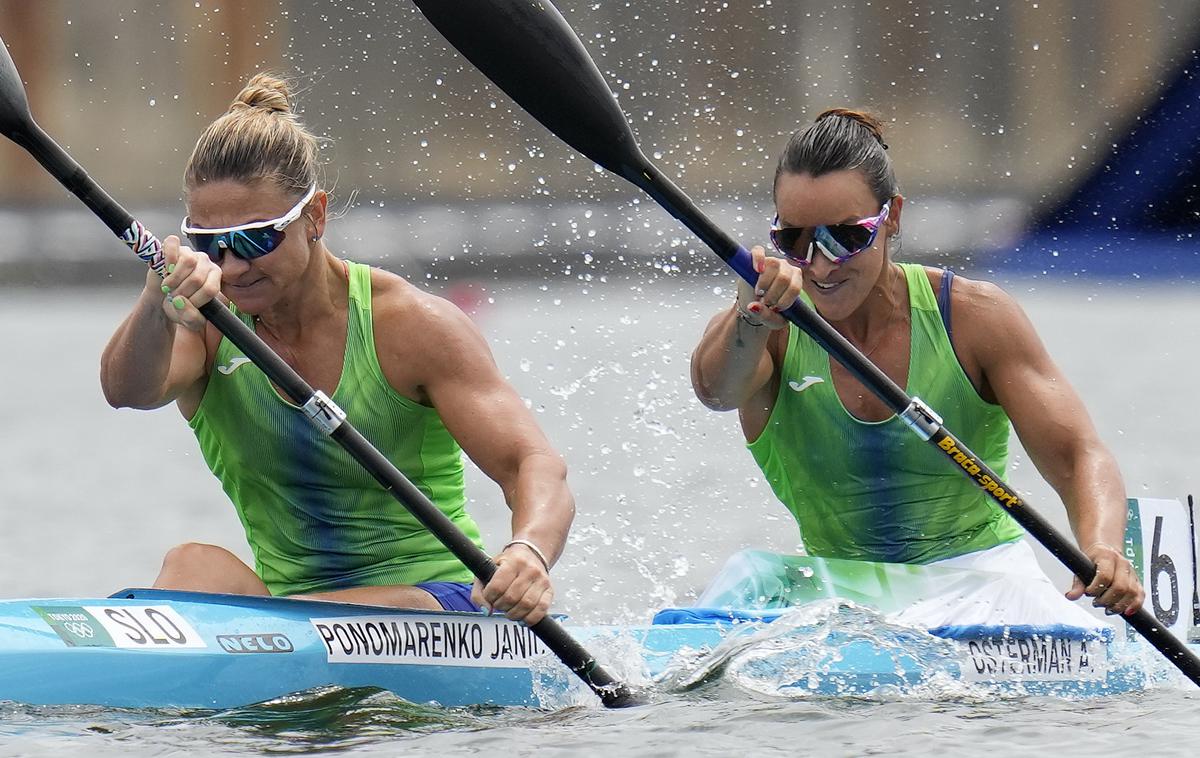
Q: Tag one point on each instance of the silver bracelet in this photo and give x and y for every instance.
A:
(745, 315)
(541, 556)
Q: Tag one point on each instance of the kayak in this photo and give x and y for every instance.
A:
(145, 648)
(772, 624)
(153, 648)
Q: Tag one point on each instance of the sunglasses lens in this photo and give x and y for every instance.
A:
(205, 243)
(792, 241)
(853, 237)
(246, 244)
(837, 242)
(255, 243)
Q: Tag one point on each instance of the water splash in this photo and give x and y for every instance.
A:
(827, 648)
(618, 650)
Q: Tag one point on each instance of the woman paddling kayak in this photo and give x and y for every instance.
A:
(410, 369)
(859, 484)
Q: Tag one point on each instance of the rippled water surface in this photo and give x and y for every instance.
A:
(92, 497)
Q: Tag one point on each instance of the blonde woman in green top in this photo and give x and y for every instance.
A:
(410, 369)
(859, 485)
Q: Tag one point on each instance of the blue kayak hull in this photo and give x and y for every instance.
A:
(166, 649)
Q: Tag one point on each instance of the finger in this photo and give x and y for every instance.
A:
(514, 594)
(535, 597)
(1135, 605)
(493, 591)
(758, 256)
(1076, 590)
(477, 596)
(185, 313)
(769, 269)
(765, 280)
(769, 279)
(758, 311)
(191, 273)
(174, 306)
(179, 262)
(780, 284)
(524, 606)
(1104, 599)
(514, 575)
(191, 283)
(539, 609)
(795, 285)
(171, 246)
(1106, 569)
(1126, 594)
(170, 257)
(209, 286)
(194, 319)
(1110, 597)
(1120, 608)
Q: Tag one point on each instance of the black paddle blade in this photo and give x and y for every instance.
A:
(14, 106)
(529, 50)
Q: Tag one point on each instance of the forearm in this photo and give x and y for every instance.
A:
(1091, 487)
(1095, 498)
(136, 362)
(727, 365)
(542, 505)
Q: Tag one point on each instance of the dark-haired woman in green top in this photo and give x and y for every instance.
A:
(857, 481)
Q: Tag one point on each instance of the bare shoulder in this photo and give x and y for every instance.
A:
(976, 304)
(418, 334)
(395, 299)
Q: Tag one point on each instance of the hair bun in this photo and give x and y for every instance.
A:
(869, 122)
(266, 91)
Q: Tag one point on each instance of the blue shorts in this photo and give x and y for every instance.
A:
(453, 596)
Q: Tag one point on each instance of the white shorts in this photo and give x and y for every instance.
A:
(1012, 591)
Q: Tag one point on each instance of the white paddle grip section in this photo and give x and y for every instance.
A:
(145, 245)
(921, 419)
(324, 412)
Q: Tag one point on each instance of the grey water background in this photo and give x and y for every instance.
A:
(91, 497)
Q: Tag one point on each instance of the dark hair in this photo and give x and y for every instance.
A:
(259, 138)
(841, 139)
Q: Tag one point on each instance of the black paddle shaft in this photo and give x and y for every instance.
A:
(530, 51)
(17, 124)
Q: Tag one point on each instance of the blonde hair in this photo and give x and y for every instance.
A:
(259, 139)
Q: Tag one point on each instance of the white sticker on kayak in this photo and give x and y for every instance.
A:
(1040, 658)
(146, 627)
(429, 639)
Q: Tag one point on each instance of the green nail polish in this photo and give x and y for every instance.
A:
(170, 268)
(166, 290)
(179, 302)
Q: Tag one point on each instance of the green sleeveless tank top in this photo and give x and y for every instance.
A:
(874, 491)
(314, 518)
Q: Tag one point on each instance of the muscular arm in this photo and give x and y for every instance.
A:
(151, 360)
(1055, 429)
(732, 364)
(484, 413)
(736, 364)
